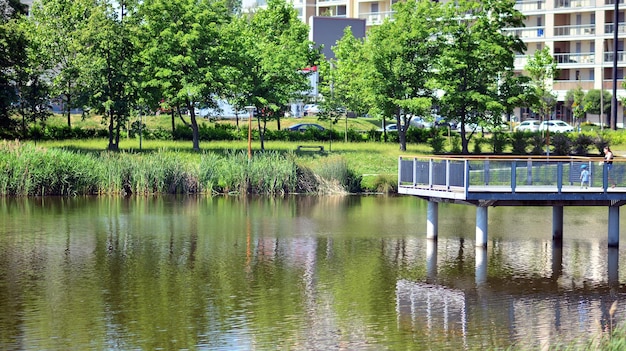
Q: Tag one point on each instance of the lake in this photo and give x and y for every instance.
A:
(298, 273)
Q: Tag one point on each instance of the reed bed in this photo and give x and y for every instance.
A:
(29, 170)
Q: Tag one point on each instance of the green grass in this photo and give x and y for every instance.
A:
(368, 160)
(165, 122)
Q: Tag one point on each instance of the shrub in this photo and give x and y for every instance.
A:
(386, 184)
(334, 172)
(538, 144)
(562, 145)
(436, 141)
(478, 143)
(581, 144)
(417, 135)
(519, 142)
(456, 146)
(600, 143)
(499, 140)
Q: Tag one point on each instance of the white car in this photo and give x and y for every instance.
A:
(531, 125)
(390, 128)
(556, 126)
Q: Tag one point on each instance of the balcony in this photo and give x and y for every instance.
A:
(621, 27)
(574, 58)
(375, 18)
(575, 30)
(573, 84)
(559, 4)
(527, 32)
(530, 5)
(608, 56)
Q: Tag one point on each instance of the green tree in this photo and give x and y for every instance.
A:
(57, 25)
(12, 56)
(345, 86)
(402, 55)
(593, 100)
(109, 63)
(185, 54)
(574, 99)
(275, 51)
(477, 54)
(542, 68)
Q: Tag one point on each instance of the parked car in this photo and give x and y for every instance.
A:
(440, 122)
(556, 126)
(419, 122)
(311, 110)
(530, 125)
(303, 127)
(390, 128)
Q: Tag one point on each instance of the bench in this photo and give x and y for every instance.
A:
(311, 147)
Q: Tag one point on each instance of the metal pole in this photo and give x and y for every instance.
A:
(614, 98)
(250, 111)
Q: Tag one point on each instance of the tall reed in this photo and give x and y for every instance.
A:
(29, 170)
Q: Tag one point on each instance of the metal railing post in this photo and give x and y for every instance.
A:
(513, 176)
(447, 174)
(466, 180)
(430, 173)
(559, 176)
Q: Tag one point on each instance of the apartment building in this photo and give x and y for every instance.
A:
(579, 33)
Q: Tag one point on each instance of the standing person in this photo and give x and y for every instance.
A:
(584, 176)
(608, 161)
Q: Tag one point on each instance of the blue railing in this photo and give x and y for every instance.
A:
(513, 173)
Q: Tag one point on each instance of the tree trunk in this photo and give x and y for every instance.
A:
(69, 109)
(261, 130)
(173, 123)
(194, 126)
(112, 146)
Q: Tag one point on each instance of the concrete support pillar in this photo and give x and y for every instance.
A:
(481, 226)
(481, 265)
(613, 226)
(432, 220)
(557, 259)
(613, 264)
(431, 259)
(557, 223)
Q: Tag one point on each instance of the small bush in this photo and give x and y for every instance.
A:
(436, 141)
(478, 145)
(581, 144)
(386, 184)
(538, 144)
(519, 142)
(499, 141)
(562, 145)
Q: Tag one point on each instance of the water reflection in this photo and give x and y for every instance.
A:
(300, 273)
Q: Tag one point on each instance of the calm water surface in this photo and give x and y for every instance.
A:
(301, 273)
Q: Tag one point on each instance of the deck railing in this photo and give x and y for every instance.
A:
(458, 173)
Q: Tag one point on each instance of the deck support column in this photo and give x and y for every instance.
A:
(432, 220)
(557, 223)
(613, 226)
(481, 226)
(481, 265)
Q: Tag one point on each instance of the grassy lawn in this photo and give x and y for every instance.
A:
(368, 159)
(165, 122)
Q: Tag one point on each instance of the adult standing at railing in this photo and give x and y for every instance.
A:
(608, 161)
